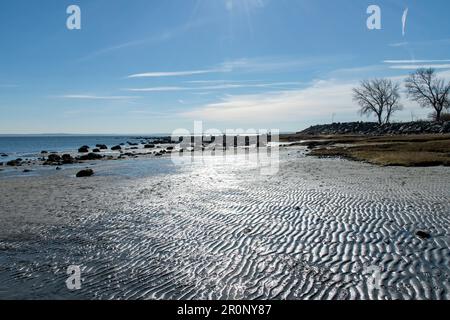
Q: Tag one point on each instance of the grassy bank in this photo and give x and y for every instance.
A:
(401, 150)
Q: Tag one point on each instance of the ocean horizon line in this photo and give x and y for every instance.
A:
(80, 134)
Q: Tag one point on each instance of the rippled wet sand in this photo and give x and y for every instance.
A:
(319, 229)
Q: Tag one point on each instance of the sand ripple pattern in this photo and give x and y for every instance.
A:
(320, 229)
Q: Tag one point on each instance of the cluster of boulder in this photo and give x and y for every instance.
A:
(372, 128)
(86, 154)
(15, 163)
(97, 149)
(57, 160)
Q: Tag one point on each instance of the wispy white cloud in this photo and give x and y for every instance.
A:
(318, 100)
(273, 64)
(421, 43)
(220, 81)
(349, 73)
(154, 114)
(414, 61)
(413, 64)
(174, 73)
(218, 86)
(156, 89)
(321, 98)
(244, 85)
(418, 66)
(162, 36)
(95, 97)
(244, 65)
(399, 44)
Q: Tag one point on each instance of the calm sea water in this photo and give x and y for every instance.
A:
(31, 145)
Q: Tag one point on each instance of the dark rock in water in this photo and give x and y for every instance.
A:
(132, 144)
(27, 171)
(115, 148)
(90, 156)
(44, 152)
(170, 148)
(149, 146)
(14, 163)
(58, 168)
(85, 173)
(423, 234)
(67, 159)
(96, 150)
(83, 149)
(4, 155)
(54, 158)
(102, 146)
(298, 208)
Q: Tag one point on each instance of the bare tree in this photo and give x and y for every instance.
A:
(424, 87)
(380, 97)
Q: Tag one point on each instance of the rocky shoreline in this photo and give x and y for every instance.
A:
(147, 147)
(372, 128)
(150, 147)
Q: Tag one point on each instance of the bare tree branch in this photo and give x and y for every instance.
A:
(380, 97)
(424, 87)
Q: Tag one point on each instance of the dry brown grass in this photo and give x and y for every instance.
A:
(408, 151)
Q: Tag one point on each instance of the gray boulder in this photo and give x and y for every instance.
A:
(83, 149)
(85, 173)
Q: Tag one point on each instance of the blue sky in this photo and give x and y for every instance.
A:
(147, 66)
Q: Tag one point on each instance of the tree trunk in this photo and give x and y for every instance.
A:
(438, 115)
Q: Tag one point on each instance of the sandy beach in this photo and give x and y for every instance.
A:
(149, 229)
